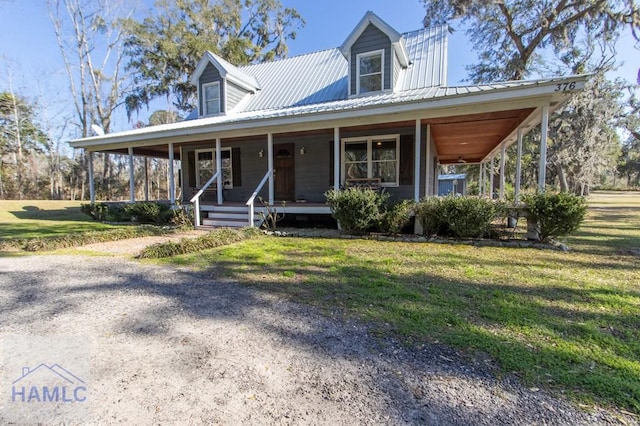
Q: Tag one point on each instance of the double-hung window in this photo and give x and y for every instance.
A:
(211, 98)
(206, 167)
(370, 71)
(371, 157)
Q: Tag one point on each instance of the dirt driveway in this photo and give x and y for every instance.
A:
(173, 346)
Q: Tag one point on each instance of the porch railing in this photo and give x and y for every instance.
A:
(196, 198)
(252, 199)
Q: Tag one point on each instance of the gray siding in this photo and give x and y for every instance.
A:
(209, 75)
(235, 94)
(371, 39)
(396, 69)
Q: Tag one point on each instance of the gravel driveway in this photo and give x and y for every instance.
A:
(175, 346)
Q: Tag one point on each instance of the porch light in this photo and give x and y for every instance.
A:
(303, 150)
(261, 153)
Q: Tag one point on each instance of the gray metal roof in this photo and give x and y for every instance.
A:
(321, 77)
(422, 98)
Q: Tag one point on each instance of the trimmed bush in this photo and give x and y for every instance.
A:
(396, 217)
(149, 212)
(83, 238)
(357, 210)
(556, 214)
(430, 215)
(215, 238)
(470, 217)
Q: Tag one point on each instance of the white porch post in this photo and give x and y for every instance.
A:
(491, 177)
(172, 180)
(270, 165)
(518, 167)
(428, 163)
(544, 126)
(336, 158)
(132, 183)
(481, 183)
(146, 179)
(416, 171)
(219, 181)
(503, 154)
(92, 187)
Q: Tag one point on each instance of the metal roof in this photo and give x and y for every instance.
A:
(423, 98)
(452, 177)
(322, 76)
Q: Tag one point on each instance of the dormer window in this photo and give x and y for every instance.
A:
(370, 71)
(211, 98)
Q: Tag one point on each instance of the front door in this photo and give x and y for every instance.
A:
(284, 172)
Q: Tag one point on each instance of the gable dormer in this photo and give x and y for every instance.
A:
(377, 56)
(221, 86)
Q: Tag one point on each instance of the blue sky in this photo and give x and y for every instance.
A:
(27, 38)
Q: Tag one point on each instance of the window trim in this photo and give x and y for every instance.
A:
(369, 141)
(204, 99)
(358, 76)
(213, 156)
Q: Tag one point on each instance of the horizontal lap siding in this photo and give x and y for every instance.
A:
(235, 94)
(370, 40)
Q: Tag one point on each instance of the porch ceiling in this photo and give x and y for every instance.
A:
(470, 138)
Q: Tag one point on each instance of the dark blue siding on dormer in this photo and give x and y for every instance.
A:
(370, 40)
(209, 75)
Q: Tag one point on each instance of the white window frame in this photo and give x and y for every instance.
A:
(369, 141)
(199, 184)
(358, 76)
(204, 98)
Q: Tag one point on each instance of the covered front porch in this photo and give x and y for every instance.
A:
(297, 157)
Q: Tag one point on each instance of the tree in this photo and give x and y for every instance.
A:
(164, 49)
(91, 46)
(20, 137)
(512, 35)
(584, 141)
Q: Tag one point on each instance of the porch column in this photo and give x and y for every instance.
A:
(491, 177)
(172, 180)
(428, 163)
(92, 187)
(481, 183)
(270, 165)
(336, 158)
(146, 179)
(503, 154)
(132, 183)
(416, 171)
(542, 170)
(518, 166)
(219, 182)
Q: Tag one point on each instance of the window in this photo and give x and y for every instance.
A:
(206, 167)
(211, 98)
(370, 69)
(371, 157)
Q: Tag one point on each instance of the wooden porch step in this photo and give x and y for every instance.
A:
(228, 223)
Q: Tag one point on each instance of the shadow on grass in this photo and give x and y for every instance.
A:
(29, 300)
(36, 213)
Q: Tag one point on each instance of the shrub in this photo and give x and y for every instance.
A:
(429, 213)
(470, 217)
(356, 210)
(556, 214)
(393, 219)
(149, 212)
(106, 212)
(215, 238)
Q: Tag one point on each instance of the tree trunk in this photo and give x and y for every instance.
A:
(564, 187)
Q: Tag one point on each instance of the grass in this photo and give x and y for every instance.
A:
(566, 321)
(41, 219)
(50, 225)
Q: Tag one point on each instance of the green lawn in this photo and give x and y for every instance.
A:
(43, 218)
(566, 321)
